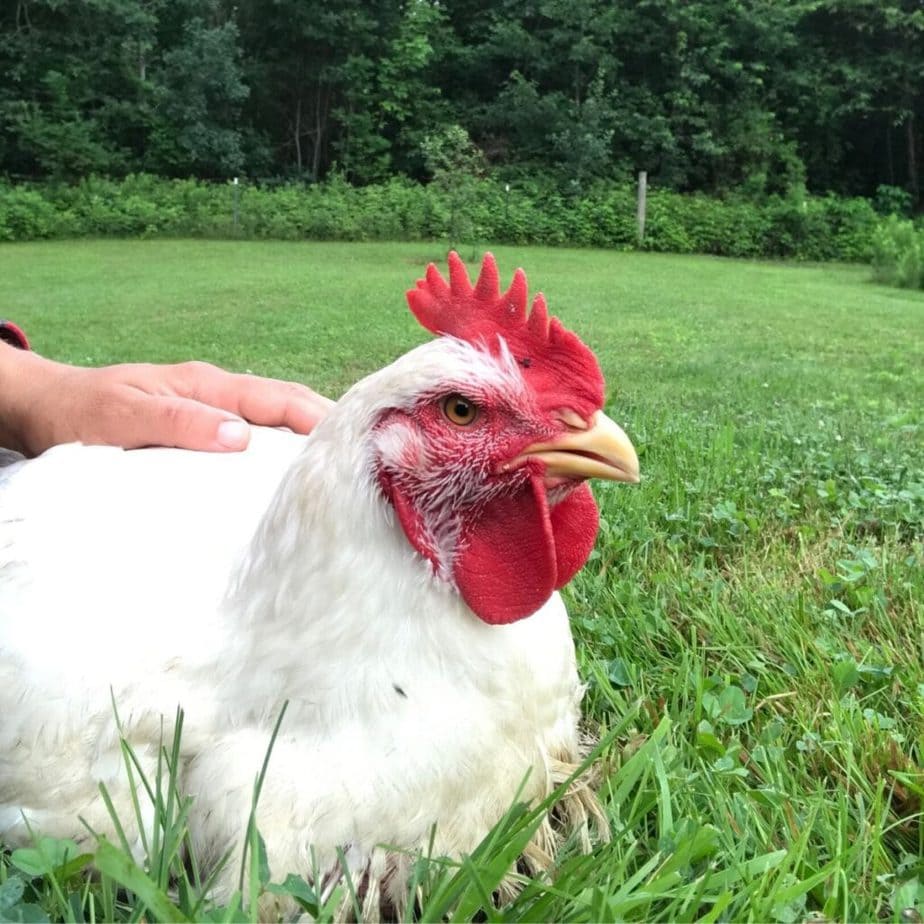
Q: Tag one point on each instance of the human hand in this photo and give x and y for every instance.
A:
(190, 405)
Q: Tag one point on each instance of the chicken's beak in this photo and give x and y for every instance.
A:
(602, 450)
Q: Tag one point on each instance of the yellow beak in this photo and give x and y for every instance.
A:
(602, 450)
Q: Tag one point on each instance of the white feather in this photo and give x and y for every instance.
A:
(229, 584)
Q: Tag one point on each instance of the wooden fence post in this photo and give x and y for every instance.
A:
(642, 196)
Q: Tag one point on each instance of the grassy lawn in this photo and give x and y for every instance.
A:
(752, 621)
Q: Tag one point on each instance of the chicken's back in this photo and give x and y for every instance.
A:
(164, 528)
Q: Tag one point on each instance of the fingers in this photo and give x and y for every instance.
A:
(266, 402)
(166, 420)
(281, 404)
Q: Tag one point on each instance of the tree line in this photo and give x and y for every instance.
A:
(757, 97)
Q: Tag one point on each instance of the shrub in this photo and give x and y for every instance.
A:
(698, 224)
(851, 224)
(531, 210)
(824, 228)
(26, 214)
(898, 254)
(893, 200)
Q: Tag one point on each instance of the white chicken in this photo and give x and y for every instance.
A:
(392, 577)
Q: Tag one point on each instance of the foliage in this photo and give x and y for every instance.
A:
(460, 205)
(714, 96)
(198, 101)
(892, 200)
(106, 86)
(865, 64)
(898, 254)
(749, 623)
(456, 165)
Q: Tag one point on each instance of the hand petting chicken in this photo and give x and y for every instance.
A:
(392, 577)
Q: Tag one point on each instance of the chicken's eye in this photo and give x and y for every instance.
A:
(459, 410)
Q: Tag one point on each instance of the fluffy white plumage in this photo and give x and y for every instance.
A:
(229, 584)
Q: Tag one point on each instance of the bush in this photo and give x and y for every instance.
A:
(532, 210)
(26, 214)
(698, 224)
(893, 200)
(825, 228)
(898, 254)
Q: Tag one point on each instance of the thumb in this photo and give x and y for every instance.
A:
(185, 424)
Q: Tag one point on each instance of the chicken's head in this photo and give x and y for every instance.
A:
(486, 465)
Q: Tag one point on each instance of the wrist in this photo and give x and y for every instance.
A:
(22, 374)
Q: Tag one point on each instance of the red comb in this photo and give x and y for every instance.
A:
(554, 360)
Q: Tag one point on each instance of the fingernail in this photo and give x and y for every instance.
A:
(233, 434)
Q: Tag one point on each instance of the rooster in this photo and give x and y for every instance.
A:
(392, 577)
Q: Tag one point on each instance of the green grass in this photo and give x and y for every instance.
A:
(751, 620)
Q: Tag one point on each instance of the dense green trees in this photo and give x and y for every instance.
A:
(759, 96)
(111, 86)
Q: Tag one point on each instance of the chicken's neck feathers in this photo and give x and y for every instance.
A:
(330, 544)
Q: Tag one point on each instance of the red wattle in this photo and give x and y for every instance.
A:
(575, 521)
(506, 569)
(519, 551)
(515, 552)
